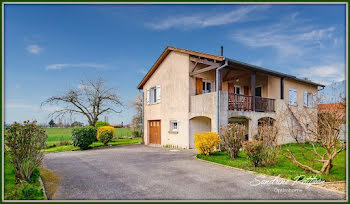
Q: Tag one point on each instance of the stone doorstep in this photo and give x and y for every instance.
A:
(255, 173)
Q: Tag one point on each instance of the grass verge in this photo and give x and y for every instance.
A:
(21, 191)
(117, 142)
(50, 180)
(284, 167)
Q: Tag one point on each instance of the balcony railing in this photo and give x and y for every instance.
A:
(240, 102)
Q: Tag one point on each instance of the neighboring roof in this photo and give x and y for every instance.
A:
(219, 59)
(330, 107)
(165, 54)
(272, 72)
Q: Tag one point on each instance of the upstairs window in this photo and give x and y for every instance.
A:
(153, 95)
(309, 99)
(207, 86)
(293, 97)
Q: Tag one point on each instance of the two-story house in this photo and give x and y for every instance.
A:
(186, 92)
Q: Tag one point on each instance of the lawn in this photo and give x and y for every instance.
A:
(13, 191)
(57, 135)
(284, 167)
(114, 142)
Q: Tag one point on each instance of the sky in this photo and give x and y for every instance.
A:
(50, 48)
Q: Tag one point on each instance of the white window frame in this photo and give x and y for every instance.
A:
(205, 86)
(240, 89)
(290, 102)
(153, 95)
(309, 99)
(172, 129)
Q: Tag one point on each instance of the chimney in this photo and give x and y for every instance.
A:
(222, 50)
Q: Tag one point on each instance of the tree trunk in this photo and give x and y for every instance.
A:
(327, 166)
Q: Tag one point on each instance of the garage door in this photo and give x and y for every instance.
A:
(154, 131)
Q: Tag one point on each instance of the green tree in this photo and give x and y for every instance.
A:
(52, 123)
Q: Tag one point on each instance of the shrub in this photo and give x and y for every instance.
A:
(105, 128)
(255, 152)
(82, 137)
(268, 135)
(136, 134)
(35, 175)
(105, 136)
(99, 124)
(24, 144)
(31, 192)
(206, 142)
(232, 137)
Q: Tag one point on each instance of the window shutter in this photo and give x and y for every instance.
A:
(199, 86)
(305, 99)
(158, 93)
(292, 97)
(295, 97)
(148, 96)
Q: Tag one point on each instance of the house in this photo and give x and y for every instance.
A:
(186, 92)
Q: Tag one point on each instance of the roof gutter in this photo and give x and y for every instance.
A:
(218, 94)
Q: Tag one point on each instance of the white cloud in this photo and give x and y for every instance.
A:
(207, 20)
(288, 37)
(34, 49)
(61, 66)
(19, 106)
(325, 74)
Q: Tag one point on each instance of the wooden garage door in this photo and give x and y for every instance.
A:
(154, 132)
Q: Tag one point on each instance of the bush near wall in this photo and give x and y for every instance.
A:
(83, 137)
(206, 142)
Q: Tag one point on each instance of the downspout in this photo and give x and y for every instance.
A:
(218, 95)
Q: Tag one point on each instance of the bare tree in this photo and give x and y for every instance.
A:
(321, 130)
(91, 99)
(136, 120)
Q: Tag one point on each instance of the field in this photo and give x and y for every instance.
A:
(59, 139)
(285, 168)
(56, 135)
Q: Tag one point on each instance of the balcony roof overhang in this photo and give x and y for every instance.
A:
(235, 63)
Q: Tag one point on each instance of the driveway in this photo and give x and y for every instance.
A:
(141, 172)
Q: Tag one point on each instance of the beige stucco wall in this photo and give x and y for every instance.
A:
(199, 124)
(179, 102)
(172, 76)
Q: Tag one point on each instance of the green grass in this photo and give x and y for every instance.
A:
(13, 191)
(56, 135)
(284, 167)
(115, 142)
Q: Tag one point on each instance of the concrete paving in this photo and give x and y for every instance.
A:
(141, 172)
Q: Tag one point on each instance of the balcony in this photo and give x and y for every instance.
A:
(240, 102)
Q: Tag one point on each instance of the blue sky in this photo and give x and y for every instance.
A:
(49, 48)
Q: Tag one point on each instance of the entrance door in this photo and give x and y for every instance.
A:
(154, 131)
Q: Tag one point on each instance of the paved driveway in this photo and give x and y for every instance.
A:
(141, 172)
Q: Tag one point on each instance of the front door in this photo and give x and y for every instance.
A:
(154, 131)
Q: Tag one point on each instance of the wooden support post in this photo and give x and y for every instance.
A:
(253, 85)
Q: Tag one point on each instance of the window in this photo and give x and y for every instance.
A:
(153, 95)
(207, 86)
(238, 90)
(293, 97)
(174, 126)
(309, 99)
(258, 91)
